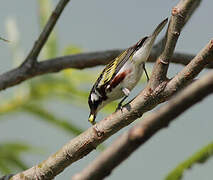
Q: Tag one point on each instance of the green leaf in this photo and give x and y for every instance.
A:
(9, 106)
(13, 34)
(59, 122)
(199, 157)
(49, 85)
(16, 162)
(71, 49)
(64, 85)
(14, 147)
(10, 156)
(45, 8)
(50, 118)
(4, 167)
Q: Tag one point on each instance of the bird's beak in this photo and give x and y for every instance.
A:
(91, 118)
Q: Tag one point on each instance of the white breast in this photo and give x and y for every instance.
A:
(129, 82)
(142, 54)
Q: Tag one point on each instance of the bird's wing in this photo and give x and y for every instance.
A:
(113, 67)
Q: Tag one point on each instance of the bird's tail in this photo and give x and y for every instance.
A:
(159, 28)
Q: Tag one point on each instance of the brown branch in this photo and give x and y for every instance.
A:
(191, 70)
(78, 61)
(87, 141)
(126, 144)
(32, 56)
(22, 73)
(180, 14)
(30, 67)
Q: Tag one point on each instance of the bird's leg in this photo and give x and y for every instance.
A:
(120, 103)
(126, 92)
(147, 76)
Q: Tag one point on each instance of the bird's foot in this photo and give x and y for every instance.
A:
(119, 107)
(147, 76)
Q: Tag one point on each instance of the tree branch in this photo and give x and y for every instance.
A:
(190, 71)
(32, 56)
(126, 144)
(78, 61)
(30, 67)
(87, 141)
(180, 15)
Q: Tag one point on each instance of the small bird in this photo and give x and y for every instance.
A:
(122, 74)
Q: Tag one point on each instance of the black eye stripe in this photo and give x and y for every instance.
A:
(141, 42)
(94, 104)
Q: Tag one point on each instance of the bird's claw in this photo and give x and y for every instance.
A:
(119, 107)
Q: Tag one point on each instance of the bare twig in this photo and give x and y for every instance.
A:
(126, 144)
(87, 141)
(191, 70)
(180, 14)
(32, 56)
(30, 67)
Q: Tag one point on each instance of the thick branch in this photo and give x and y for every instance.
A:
(126, 144)
(87, 141)
(22, 73)
(78, 61)
(190, 71)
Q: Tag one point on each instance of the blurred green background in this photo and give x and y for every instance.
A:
(42, 114)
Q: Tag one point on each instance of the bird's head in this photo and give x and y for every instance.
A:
(144, 46)
(94, 102)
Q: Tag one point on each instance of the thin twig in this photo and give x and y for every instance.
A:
(30, 67)
(32, 56)
(180, 15)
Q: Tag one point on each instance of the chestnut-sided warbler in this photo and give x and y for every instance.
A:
(122, 74)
